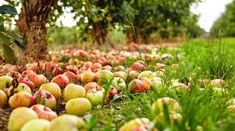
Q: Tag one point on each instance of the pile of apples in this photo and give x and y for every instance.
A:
(88, 79)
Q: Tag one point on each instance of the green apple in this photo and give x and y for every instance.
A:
(23, 87)
(19, 117)
(104, 76)
(67, 123)
(5, 82)
(133, 74)
(3, 98)
(21, 99)
(118, 83)
(180, 87)
(156, 82)
(95, 97)
(120, 74)
(72, 91)
(78, 106)
(135, 124)
(36, 125)
(172, 104)
(147, 74)
(218, 83)
(53, 88)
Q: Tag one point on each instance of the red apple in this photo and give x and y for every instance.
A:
(53, 88)
(26, 81)
(45, 98)
(61, 80)
(57, 70)
(87, 76)
(44, 112)
(147, 83)
(95, 67)
(138, 66)
(38, 80)
(92, 86)
(136, 85)
(72, 91)
(72, 76)
(21, 99)
(78, 106)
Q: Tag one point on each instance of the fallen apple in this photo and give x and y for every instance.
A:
(95, 97)
(72, 76)
(148, 74)
(118, 83)
(36, 125)
(120, 74)
(21, 99)
(19, 117)
(45, 98)
(138, 66)
(44, 112)
(61, 80)
(104, 76)
(3, 98)
(156, 82)
(78, 106)
(26, 81)
(53, 88)
(87, 76)
(72, 91)
(135, 124)
(132, 74)
(93, 86)
(67, 123)
(23, 87)
(37, 80)
(5, 82)
(136, 85)
(174, 118)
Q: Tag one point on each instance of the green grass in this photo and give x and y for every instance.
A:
(203, 59)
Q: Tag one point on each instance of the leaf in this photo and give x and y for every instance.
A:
(8, 54)
(4, 39)
(17, 40)
(7, 9)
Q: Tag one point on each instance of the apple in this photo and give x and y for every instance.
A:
(38, 80)
(180, 87)
(118, 83)
(132, 74)
(72, 91)
(72, 76)
(78, 106)
(61, 80)
(95, 97)
(136, 85)
(36, 125)
(159, 66)
(26, 81)
(135, 124)
(119, 68)
(23, 87)
(45, 98)
(21, 99)
(104, 76)
(231, 102)
(138, 66)
(231, 108)
(87, 76)
(156, 82)
(5, 82)
(147, 83)
(148, 74)
(120, 74)
(112, 92)
(95, 67)
(93, 86)
(57, 70)
(218, 83)
(174, 117)
(172, 104)
(67, 123)
(44, 112)
(19, 117)
(53, 88)
(3, 98)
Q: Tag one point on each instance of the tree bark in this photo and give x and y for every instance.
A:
(32, 27)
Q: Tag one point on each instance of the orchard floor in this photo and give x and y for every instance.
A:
(197, 59)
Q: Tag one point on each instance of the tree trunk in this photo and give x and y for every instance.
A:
(100, 32)
(32, 27)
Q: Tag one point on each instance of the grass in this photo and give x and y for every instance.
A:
(203, 59)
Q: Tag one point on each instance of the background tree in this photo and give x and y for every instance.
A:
(225, 24)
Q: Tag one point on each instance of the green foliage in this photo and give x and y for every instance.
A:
(8, 37)
(225, 24)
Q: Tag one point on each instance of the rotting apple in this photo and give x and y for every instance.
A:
(36, 125)
(93, 86)
(136, 85)
(72, 91)
(45, 98)
(138, 66)
(67, 123)
(53, 88)
(21, 99)
(78, 106)
(19, 117)
(44, 112)
(61, 80)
